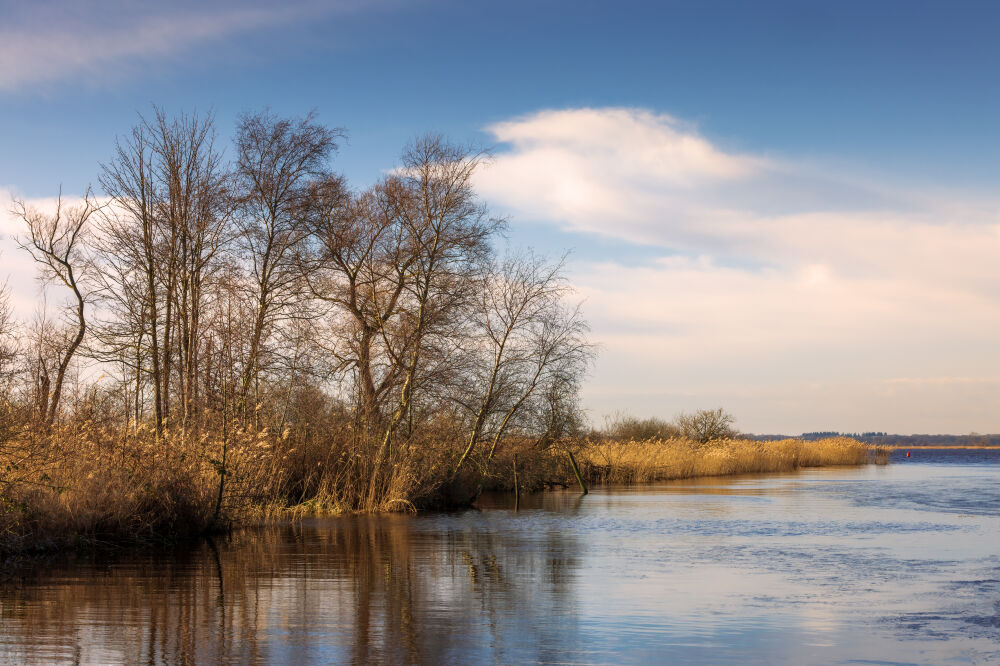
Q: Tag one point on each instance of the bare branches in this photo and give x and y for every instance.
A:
(55, 243)
(172, 199)
(525, 337)
(281, 164)
(8, 342)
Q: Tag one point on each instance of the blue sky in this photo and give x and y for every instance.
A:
(901, 86)
(711, 160)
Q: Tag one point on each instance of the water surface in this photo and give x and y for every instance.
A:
(895, 564)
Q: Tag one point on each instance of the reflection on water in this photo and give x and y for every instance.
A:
(893, 564)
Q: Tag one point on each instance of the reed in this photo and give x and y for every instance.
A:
(86, 484)
(628, 462)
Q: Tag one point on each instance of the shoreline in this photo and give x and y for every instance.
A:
(609, 462)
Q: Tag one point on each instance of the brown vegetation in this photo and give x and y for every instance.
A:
(604, 460)
(628, 462)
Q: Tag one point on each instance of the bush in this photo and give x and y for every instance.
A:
(630, 428)
(707, 425)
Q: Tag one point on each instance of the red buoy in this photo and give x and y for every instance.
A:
(907, 454)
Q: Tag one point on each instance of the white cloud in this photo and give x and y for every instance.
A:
(574, 167)
(791, 294)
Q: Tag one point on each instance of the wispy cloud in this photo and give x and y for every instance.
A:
(45, 42)
(777, 278)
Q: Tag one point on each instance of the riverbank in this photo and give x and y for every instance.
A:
(631, 462)
(77, 488)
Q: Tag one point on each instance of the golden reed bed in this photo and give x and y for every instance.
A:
(661, 460)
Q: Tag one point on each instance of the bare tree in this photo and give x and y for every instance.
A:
(194, 211)
(159, 242)
(279, 161)
(359, 264)
(420, 308)
(131, 240)
(447, 232)
(517, 307)
(706, 425)
(55, 242)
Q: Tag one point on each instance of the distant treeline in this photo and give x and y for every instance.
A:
(972, 439)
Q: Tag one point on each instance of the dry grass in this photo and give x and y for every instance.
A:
(87, 484)
(84, 484)
(629, 462)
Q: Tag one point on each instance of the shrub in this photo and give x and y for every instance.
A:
(706, 425)
(626, 427)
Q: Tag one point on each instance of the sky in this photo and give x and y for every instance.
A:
(786, 209)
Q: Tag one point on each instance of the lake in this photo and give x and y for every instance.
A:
(880, 564)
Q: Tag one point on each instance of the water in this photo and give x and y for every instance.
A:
(947, 456)
(896, 564)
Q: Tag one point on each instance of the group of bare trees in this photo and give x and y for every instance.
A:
(213, 293)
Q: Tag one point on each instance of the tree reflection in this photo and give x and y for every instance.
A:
(460, 587)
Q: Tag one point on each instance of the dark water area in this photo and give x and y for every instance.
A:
(880, 564)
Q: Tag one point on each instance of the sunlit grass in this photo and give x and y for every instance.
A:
(661, 460)
(85, 484)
